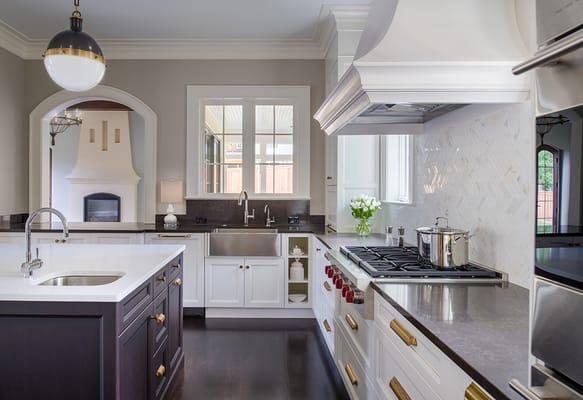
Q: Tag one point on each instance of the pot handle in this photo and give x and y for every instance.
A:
(464, 236)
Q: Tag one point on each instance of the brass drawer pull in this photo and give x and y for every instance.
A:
(161, 371)
(174, 236)
(351, 322)
(177, 265)
(474, 392)
(327, 326)
(327, 286)
(398, 389)
(162, 278)
(405, 336)
(160, 318)
(178, 282)
(61, 241)
(351, 375)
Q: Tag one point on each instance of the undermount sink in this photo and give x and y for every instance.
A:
(80, 280)
(244, 242)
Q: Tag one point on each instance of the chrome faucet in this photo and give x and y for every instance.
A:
(29, 265)
(243, 197)
(268, 218)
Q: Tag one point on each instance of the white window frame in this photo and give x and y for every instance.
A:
(199, 96)
(386, 154)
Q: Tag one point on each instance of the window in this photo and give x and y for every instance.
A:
(396, 168)
(547, 194)
(253, 138)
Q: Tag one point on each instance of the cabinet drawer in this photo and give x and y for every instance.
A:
(160, 320)
(395, 378)
(159, 372)
(351, 317)
(328, 292)
(414, 347)
(351, 368)
(327, 327)
(134, 304)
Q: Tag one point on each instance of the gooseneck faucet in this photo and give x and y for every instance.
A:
(268, 218)
(243, 197)
(29, 265)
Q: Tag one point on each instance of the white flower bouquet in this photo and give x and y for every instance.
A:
(364, 209)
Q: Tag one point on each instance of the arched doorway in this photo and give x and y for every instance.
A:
(39, 173)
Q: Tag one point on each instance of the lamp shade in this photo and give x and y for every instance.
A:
(171, 192)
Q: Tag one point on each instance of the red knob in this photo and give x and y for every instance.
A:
(339, 283)
(335, 278)
(326, 268)
(330, 273)
(350, 296)
(345, 289)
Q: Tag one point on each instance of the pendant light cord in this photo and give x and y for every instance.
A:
(76, 13)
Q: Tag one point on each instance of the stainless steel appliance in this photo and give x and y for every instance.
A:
(443, 246)
(559, 59)
(557, 326)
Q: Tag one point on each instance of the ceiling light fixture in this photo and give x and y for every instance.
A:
(73, 59)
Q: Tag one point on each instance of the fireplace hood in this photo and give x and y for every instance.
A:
(419, 59)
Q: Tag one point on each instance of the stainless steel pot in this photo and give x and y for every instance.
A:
(444, 247)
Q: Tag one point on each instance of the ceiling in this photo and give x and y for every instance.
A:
(172, 19)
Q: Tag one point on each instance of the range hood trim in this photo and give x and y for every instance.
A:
(366, 84)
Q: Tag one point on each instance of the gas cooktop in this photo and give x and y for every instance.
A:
(404, 262)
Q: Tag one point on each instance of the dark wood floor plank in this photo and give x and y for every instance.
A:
(256, 359)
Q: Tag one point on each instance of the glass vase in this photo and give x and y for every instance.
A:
(364, 228)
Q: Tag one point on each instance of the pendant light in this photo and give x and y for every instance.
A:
(73, 59)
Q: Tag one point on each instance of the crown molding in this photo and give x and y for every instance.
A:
(332, 18)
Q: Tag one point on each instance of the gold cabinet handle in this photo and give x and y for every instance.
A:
(351, 375)
(398, 389)
(327, 286)
(161, 371)
(177, 265)
(160, 318)
(351, 322)
(162, 278)
(178, 282)
(403, 334)
(327, 326)
(474, 392)
(60, 240)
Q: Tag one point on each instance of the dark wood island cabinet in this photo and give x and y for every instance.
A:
(128, 350)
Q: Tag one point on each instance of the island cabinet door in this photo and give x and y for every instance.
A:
(134, 357)
(264, 282)
(175, 292)
(225, 286)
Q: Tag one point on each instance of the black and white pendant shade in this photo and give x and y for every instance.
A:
(73, 59)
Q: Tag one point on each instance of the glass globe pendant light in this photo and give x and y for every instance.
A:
(73, 59)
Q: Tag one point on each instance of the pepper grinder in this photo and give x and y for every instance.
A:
(389, 235)
(401, 236)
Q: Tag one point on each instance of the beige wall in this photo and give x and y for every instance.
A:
(162, 85)
(13, 136)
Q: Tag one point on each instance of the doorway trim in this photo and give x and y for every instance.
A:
(39, 175)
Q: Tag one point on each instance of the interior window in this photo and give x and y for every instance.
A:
(397, 164)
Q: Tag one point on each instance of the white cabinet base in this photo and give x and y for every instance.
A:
(259, 313)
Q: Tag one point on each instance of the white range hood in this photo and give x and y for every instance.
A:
(418, 59)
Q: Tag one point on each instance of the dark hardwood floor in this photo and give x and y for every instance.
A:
(256, 359)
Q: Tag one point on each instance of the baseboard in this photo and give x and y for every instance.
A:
(193, 311)
(259, 313)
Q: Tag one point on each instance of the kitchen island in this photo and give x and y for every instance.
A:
(118, 340)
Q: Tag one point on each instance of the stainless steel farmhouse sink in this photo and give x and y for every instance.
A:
(244, 242)
(80, 280)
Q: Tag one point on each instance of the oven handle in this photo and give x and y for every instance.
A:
(554, 51)
(523, 390)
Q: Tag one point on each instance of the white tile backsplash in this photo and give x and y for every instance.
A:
(476, 165)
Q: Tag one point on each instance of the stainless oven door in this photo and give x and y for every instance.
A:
(557, 328)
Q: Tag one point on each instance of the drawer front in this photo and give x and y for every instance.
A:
(327, 292)
(351, 369)
(160, 320)
(160, 281)
(414, 347)
(395, 377)
(351, 317)
(174, 268)
(327, 326)
(130, 307)
(159, 372)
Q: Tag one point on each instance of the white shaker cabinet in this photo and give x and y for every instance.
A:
(237, 282)
(193, 268)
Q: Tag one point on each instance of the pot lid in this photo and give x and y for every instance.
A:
(440, 230)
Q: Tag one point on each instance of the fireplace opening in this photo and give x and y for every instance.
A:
(102, 207)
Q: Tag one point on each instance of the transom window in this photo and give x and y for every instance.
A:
(248, 138)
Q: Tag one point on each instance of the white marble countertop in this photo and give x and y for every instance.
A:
(135, 264)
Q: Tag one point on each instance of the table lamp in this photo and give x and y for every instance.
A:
(171, 192)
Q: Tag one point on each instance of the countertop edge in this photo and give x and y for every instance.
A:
(491, 388)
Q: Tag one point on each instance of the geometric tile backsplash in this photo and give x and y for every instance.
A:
(476, 166)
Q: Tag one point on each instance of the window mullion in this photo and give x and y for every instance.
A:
(249, 145)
